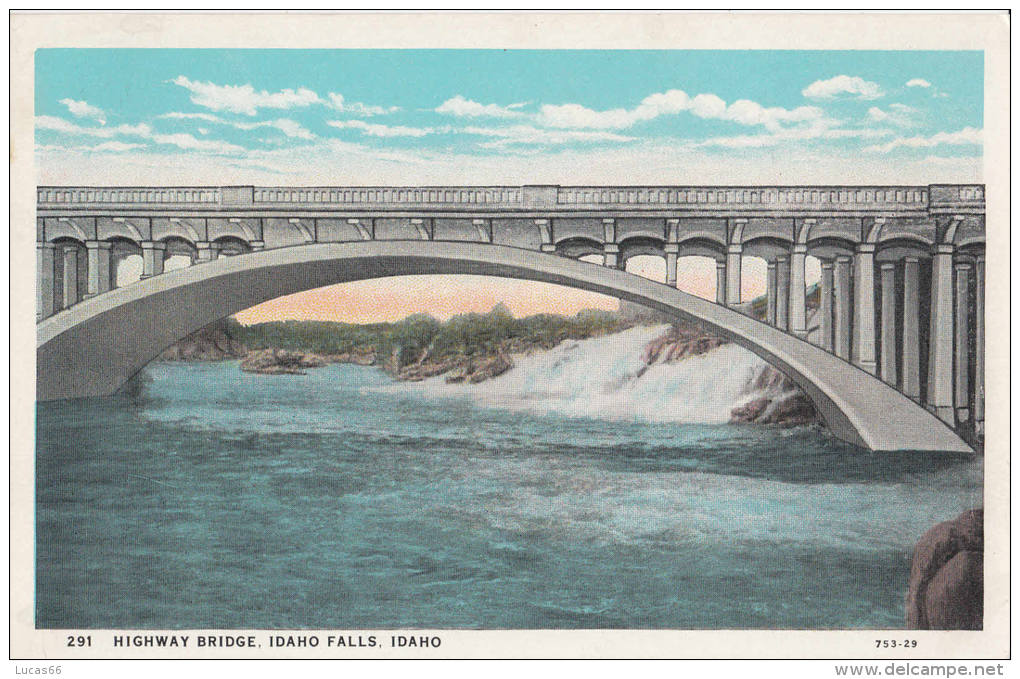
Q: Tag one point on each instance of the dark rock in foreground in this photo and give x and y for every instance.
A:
(280, 362)
(946, 589)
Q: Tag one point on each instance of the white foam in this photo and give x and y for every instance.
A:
(599, 378)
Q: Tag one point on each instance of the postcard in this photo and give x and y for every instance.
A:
(650, 335)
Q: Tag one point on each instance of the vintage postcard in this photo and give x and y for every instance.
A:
(510, 336)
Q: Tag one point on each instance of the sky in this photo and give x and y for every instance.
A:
(361, 117)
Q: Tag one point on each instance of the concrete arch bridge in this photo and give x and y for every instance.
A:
(894, 361)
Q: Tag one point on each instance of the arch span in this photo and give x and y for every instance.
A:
(91, 349)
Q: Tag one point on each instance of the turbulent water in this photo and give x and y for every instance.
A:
(568, 493)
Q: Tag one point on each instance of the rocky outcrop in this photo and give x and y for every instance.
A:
(474, 370)
(280, 362)
(211, 343)
(679, 343)
(772, 398)
(946, 587)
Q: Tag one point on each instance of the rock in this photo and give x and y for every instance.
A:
(946, 587)
(475, 370)
(280, 362)
(790, 409)
(211, 343)
(750, 411)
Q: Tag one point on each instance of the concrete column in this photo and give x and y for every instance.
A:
(207, 251)
(961, 343)
(841, 294)
(888, 348)
(733, 254)
(782, 293)
(153, 256)
(910, 358)
(720, 281)
(611, 254)
(71, 293)
(672, 253)
(99, 267)
(825, 307)
(939, 398)
(979, 346)
(798, 308)
(864, 308)
(45, 271)
(770, 293)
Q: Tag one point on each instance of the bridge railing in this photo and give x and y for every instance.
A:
(550, 196)
(390, 195)
(762, 196)
(86, 195)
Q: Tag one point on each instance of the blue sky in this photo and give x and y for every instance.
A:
(488, 116)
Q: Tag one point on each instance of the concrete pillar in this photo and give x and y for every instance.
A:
(611, 254)
(733, 255)
(798, 290)
(153, 256)
(720, 281)
(864, 308)
(841, 314)
(45, 271)
(888, 348)
(672, 250)
(825, 307)
(910, 353)
(961, 343)
(770, 293)
(939, 397)
(99, 267)
(207, 251)
(979, 346)
(71, 293)
(782, 293)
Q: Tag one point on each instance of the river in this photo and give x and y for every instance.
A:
(564, 494)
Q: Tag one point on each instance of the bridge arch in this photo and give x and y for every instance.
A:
(92, 348)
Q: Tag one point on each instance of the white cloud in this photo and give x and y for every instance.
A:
(190, 143)
(378, 130)
(671, 102)
(66, 127)
(337, 163)
(82, 109)
(918, 82)
(528, 134)
(466, 108)
(291, 128)
(966, 137)
(898, 114)
(244, 98)
(840, 85)
(177, 115)
(338, 102)
(180, 140)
